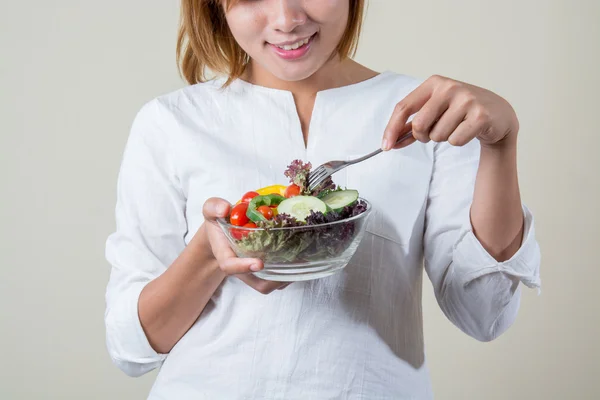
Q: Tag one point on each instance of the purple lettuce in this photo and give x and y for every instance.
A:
(325, 187)
(311, 243)
(280, 221)
(298, 172)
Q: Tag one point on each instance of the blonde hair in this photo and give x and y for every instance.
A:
(206, 43)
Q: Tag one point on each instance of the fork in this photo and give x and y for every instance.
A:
(324, 171)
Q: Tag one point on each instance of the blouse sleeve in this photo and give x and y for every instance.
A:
(477, 293)
(149, 236)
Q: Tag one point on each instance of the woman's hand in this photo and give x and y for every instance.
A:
(456, 112)
(229, 263)
(453, 111)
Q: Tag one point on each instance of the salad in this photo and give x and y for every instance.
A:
(263, 212)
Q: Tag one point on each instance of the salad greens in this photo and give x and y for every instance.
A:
(305, 211)
(310, 240)
(298, 172)
(259, 201)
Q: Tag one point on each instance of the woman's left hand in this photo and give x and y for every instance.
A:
(453, 111)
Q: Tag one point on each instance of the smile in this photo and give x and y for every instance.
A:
(293, 50)
(294, 46)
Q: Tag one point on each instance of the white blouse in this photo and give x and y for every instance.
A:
(355, 335)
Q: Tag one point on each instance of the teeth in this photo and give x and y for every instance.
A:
(294, 46)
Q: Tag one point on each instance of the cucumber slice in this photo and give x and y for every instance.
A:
(339, 199)
(299, 207)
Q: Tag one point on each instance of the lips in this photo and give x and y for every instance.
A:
(293, 50)
(295, 45)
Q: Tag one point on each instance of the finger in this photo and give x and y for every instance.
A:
(215, 208)
(404, 109)
(405, 142)
(447, 124)
(218, 242)
(427, 117)
(467, 130)
(284, 286)
(261, 285)
(226, 257)
(235, 265)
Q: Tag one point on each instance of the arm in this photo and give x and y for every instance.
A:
(496, 212)
(170, 304)
(158, 287)
(477, 292)
(479, 240)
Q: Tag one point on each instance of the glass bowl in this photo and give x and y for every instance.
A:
(299, 253)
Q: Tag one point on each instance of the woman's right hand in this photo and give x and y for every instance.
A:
(230, 264)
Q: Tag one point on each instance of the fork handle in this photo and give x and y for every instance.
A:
(401, 139)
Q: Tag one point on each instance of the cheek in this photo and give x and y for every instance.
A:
(331, 12)
(246, 24)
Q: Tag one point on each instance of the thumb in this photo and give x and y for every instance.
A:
(215, 208)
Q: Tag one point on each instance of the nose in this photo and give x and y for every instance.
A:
(288, 15)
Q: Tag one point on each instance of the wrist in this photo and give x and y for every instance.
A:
(498, 160)
(508, 144)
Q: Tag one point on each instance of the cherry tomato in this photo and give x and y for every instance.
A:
(238, 215)
(239, 234)
(248, 196)
(292, 190)
(266, 211)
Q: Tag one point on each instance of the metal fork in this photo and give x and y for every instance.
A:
(324, 171)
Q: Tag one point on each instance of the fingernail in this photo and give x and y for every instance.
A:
(255, 267)
(386, 145)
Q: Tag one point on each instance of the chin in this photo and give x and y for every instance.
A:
(294, 72)
(294, 76)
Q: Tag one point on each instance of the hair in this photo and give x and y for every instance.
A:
(205, 41)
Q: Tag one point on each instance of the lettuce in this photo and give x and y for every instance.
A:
(309, 242)
(298, 172)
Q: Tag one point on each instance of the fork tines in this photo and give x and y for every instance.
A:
(316, 177)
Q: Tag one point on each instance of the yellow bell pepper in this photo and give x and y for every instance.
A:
(273, 189)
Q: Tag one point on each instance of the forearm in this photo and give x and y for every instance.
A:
(496, 212)
(169, 305)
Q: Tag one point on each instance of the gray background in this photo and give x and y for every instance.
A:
(74, 73)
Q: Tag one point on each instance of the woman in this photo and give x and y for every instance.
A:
(178, 297)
